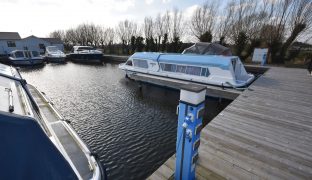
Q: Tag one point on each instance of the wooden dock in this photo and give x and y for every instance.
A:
(212, 91)
(265, 133)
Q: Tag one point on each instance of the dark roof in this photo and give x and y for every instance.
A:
(53, 40)
(10, 36)
(50, 40)
(32, 36)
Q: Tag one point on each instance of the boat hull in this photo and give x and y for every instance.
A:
(86, 58)
(56, 59)
(129, 73)
(28, 62)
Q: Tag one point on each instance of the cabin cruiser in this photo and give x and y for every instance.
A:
(25, 57)
(53, 54)
(86, 54)
(225, 71)
(37, 142)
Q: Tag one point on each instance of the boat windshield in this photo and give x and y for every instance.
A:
(19, 54)
(208, 49)
(52, 49)
(85, 48)
(35, 54)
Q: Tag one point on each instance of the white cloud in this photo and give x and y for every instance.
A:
(166, 1)
(39, 17)
(149, 1)
(188, 12)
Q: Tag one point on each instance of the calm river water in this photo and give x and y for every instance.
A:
(132, 131)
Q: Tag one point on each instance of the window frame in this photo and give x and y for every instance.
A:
(41, 46)
(182, 69)
(137, 66)
(11, 43)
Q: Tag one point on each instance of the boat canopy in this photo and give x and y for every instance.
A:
(52, 49)
(208, 49)
(27, 152)
(224, 62)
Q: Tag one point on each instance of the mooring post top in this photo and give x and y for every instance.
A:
(193, 94)
(193, 88)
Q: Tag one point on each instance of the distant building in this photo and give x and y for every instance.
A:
(10, 41)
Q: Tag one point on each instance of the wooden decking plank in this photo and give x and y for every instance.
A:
(252, 161)
(276, 141)
(259, 108)
(260, 147)
(277, 123)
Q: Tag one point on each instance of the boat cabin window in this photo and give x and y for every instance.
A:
(168, 67)
(35, 54)
(19, 54)
(27, 54)
(85, 48)
(129, 63)
(193, 70)
(204, 72)
(181, 69)
(140, 63)
(52, 49)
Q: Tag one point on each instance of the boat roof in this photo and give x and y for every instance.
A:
(223, 62)
(9, 71)
(14, 51)
(81, 46)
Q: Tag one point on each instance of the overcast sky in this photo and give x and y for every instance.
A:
(40, 17)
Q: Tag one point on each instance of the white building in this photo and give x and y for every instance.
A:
(10, 41)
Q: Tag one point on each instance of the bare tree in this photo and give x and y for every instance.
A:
(177, 23)
(204, 19)
(60, 34)
(148, 27)
(125, 30)
(159, 29)
(110, 35)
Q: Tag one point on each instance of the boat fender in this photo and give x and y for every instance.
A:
(101, 166)
(66, 120)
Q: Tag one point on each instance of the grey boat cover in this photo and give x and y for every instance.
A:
(204, 48)
(27, 152)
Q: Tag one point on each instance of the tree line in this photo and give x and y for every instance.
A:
(239, 24)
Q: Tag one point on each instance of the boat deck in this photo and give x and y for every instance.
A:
(55, 125)
(212, 91)
(265, 133)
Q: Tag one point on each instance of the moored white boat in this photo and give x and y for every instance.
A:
(226, 71)
(53, 54)
(25, 57)
(36, 141)
(85, 54)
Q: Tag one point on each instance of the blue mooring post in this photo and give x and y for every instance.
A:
(191, 110)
